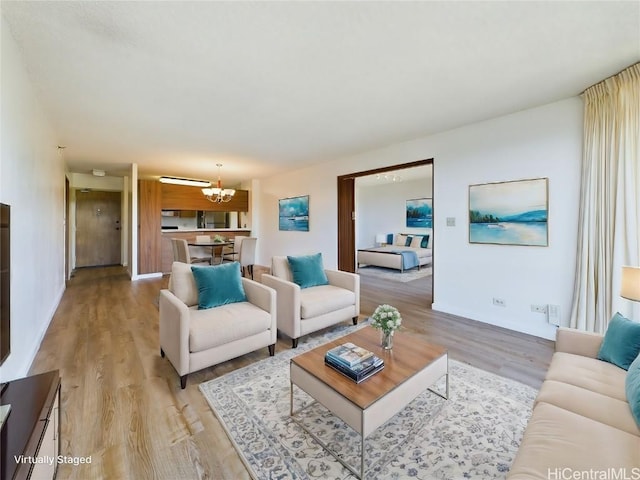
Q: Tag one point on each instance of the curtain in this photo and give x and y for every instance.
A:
(608, 235)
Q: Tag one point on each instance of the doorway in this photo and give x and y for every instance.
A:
(347, 213)
(98, 241)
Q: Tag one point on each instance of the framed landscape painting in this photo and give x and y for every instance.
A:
(509, 213)
(293, 213)
(420, 213)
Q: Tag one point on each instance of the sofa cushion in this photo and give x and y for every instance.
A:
(621, 343)
(219, 285)
(182, 284)
(596, 406)
(632, 389)
(557, 439)
(323, 299)
(233, 321)
(307, 270)
(588, 373)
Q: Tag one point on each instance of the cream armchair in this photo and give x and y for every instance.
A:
(194, 339)
(305, 310)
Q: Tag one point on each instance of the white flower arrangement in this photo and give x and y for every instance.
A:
(386, 318)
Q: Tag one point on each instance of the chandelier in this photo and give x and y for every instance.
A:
(218, 194)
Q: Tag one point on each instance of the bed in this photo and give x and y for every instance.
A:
(405, 253)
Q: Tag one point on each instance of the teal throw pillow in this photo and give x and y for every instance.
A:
(632, 388)
(218, 285)
(308, 270)
(407, 242)
(621, 343)
(424, 242)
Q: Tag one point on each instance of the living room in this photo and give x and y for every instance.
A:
(543, 139)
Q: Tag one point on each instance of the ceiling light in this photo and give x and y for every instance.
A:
(219, 194)
(98, 173)
(185, 181)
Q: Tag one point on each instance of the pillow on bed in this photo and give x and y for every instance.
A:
(401, 240)
(420, 241)
(415, 241)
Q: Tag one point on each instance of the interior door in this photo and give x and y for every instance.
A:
(346, 224)
(98, 228)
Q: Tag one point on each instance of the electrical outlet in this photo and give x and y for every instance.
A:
(539, 308)
(499, 302)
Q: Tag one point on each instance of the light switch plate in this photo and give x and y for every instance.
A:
(451, 221)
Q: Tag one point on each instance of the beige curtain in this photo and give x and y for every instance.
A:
(608, 236)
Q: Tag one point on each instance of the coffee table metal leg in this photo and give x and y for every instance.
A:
(446, 394)
(358, 474)
(362, 447)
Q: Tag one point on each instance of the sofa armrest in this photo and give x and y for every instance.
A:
(578, 342)
(265, 298)
(174, 331)
(346, 280)
(288, 304)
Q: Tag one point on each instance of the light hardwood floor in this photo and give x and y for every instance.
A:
(122, 403)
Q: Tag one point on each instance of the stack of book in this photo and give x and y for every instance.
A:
(354, 362)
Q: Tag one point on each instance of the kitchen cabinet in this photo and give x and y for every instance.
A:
(181, 197)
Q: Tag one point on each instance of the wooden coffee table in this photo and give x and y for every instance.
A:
(410, 368)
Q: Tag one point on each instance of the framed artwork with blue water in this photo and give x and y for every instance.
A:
(293, 213)
(510, 213)
(420, 213)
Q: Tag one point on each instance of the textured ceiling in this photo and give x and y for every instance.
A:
(260, 87)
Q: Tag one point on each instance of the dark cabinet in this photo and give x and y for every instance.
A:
(32, 428)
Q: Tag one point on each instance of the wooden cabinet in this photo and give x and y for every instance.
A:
(181, 197)
(32, 428)
(150, 218)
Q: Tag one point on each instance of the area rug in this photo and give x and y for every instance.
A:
(474, 434)
(395, 275)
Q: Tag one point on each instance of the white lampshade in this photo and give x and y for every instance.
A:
(630, 285)
(381, 238)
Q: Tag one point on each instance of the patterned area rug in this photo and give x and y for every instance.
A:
(395, 275)
(474, 434)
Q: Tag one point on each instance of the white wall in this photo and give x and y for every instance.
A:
(32, 179)
(541, 142)
(382, 209)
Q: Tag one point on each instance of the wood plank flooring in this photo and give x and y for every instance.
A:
(122, 403)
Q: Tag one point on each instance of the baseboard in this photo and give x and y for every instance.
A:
(23, 371)
(146, 276)
(547, 332)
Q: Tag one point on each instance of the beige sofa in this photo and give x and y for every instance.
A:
(194, 339)
(306, 310)
(581, 420)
